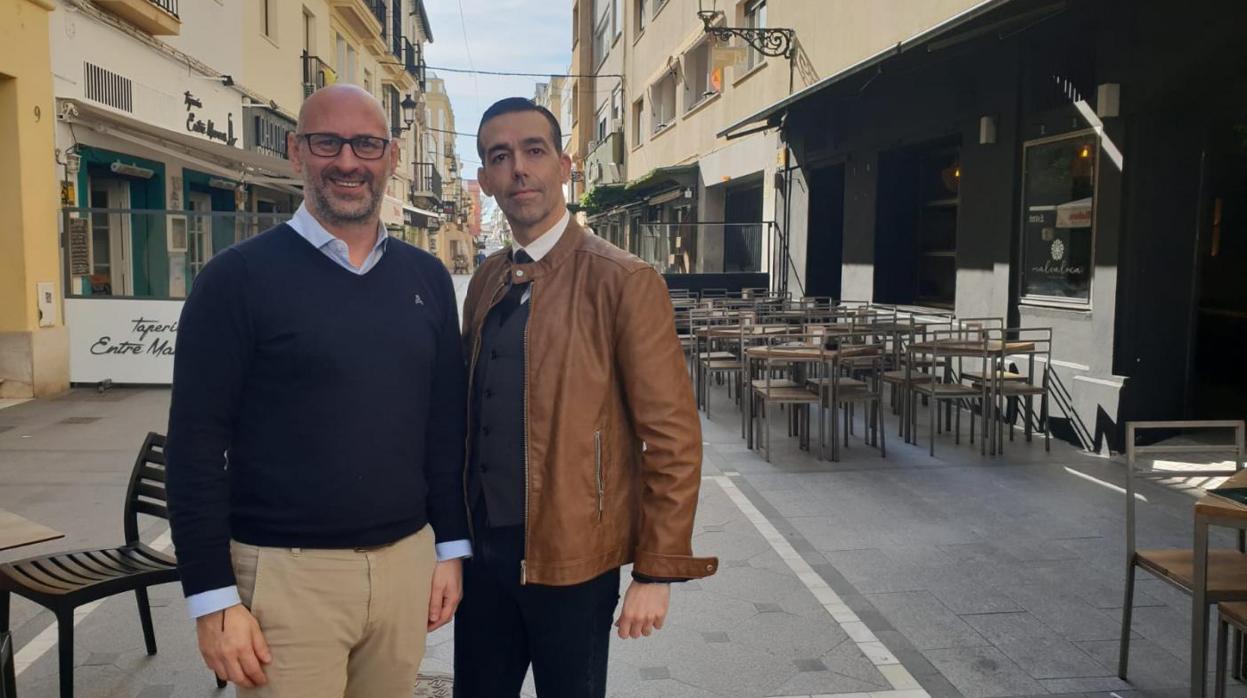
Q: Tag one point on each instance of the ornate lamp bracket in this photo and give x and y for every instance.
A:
(775, 43)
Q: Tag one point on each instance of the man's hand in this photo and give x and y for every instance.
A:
(233, 646)
(644, 609)
(446, 593)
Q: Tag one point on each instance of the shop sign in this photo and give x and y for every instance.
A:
(122, 340)
(79, 247)
(208, 128)
(265, 131)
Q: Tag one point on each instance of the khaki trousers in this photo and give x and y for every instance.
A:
(339, 622)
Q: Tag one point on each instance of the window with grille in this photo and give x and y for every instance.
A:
(106, 87)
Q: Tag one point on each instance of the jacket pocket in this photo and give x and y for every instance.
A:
(597, 470)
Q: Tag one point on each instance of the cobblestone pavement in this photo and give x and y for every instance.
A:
(904, 576)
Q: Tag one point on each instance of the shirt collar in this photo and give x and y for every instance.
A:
(546, 241)
(310, 229)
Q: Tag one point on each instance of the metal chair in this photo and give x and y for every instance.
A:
(770, 389)
(854, 374)
(1227, 568)
(8, 677)
(61, 582)
(943, 347)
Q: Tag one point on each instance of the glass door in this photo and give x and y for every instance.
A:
(110, 239)
(198, 239)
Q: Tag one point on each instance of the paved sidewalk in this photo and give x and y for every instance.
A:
(959, 575)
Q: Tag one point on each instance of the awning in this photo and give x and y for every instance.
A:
(217, 158)
(419, 218)
(673, 176)
(422, 212)
(769, 116)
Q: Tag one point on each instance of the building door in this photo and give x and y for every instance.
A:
(742, 236)
(198, 237)
(825, 232)
(111, 270)
(916, 237)
(1218, 375)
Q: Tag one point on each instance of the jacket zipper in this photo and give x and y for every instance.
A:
(597, 462)
(532, 299)
(476, 352)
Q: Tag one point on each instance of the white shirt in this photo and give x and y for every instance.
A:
(542, 245)
(546, 241)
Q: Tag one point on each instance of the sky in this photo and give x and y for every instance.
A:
(525, 36)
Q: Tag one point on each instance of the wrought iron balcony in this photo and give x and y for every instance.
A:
(426, 183)
(170, 6)
(413, 61)
(316, 74)
(378, 11)
(156, 17)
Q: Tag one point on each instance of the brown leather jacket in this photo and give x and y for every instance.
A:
(605, 375)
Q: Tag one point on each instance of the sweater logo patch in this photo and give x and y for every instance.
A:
(419, 300)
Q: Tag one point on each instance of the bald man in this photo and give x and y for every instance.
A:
(316, 434)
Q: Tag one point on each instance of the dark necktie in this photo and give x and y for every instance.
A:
(515, 292)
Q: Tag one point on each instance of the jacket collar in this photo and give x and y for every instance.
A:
(564, 249)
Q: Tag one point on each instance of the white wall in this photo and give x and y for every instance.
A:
(159, 80)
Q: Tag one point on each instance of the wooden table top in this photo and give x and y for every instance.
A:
(1215, 505)
(807, 352)
(734, 330)
(804, 352)
(967, 346)
(16, 531)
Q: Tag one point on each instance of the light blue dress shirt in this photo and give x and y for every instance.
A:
(310, 229)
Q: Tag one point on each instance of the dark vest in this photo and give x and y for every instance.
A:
(496, 471)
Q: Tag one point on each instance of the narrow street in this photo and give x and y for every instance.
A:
(950, 576)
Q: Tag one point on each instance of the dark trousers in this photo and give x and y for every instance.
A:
(502, 626)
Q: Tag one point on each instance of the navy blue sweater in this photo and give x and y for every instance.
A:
(313, 407)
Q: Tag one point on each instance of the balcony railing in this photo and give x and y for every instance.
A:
(426, 182)
(156, 17)
(413, 61)
(316, 74)
(170, 6)
(378, 11)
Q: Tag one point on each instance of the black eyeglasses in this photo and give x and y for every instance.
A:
(328, 145)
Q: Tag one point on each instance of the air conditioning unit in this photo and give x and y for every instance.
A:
(613, 172)
(176, 233)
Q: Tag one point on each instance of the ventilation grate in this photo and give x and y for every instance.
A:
(107, 87)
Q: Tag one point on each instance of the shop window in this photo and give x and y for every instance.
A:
(1058, 218)
(916, 238)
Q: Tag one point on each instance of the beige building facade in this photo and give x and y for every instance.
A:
(452, 242)
(170, 129)
(34, 347)
(668, 187)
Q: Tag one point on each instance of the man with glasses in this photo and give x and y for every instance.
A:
(316, 434)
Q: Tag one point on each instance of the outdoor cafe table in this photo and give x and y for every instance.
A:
(952, 347)
(16, 531)
(1210, 510)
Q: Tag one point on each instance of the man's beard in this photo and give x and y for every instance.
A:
(528, 213)
(335, 212)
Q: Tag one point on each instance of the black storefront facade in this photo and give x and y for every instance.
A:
(1074, 165)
